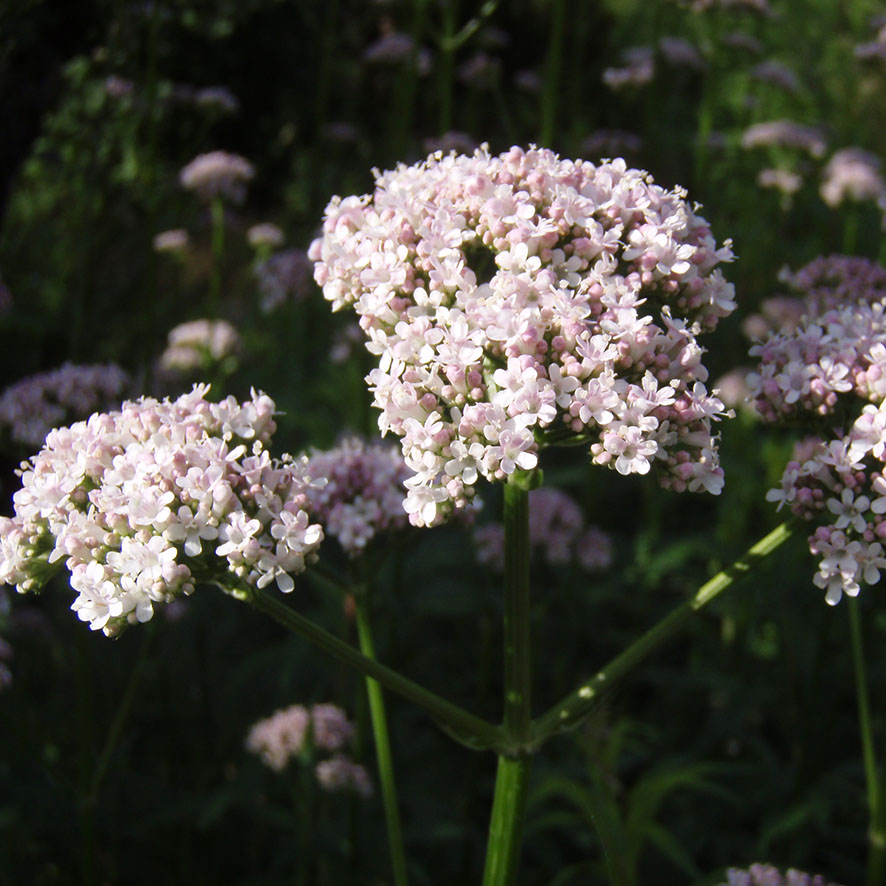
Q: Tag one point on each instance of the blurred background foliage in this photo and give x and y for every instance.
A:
(736, 743)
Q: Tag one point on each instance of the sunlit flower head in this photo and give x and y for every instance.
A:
(142, 503)
(514, 299)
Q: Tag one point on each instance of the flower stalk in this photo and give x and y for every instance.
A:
(470, 730)
(876, 871)
(512, 777)
(383, 755)
(576, 706)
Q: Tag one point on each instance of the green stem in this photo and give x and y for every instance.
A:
(517, 671)
(470, 730)
(218, 247)
(382, 747)
(577, 705)
(506, 825)
(876, 837)
(512, 777)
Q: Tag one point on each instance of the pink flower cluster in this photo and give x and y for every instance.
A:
(199, 345)
(143, 503)
(298, 731)
(787, 134)
(514, 296)
(557, 532)
(841, 482)
(838, 347)
(768, 875)
(852, 174)
(217, 174)
(363, 492)
(33, 406)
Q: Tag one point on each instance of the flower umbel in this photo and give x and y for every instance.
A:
(511, 297)
(143, 503)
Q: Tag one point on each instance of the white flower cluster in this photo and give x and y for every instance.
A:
(852, 174)
(33, 406)
(199, 345)
(841, 482)
(363, 492)
(299, 732)
(556, 530)
(838, 347)
(142, 503)
(835, 356)
(515, 297)
(217, 174)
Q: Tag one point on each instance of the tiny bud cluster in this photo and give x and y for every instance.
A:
(33, 406)
(142, 503)
(512, 296)
(363, 493)
(557, 532)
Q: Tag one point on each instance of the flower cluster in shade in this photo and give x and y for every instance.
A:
(199, 345)
(298, 732)
(142, 503)
(265, 235)
(785, 134)
(557, 532)
(769, 875)
(283, 277)
(838, 346)
(852, 174)
(510, 298)
(174, 241)
(363, 492)
(217, 174)
(33, 406)
(825, 369)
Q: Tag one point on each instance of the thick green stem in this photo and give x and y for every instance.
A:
(876, 835)
(517, 670)
(506, 824)
(382, 748)
(470, 730)
(512, 777)
(574, 707)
